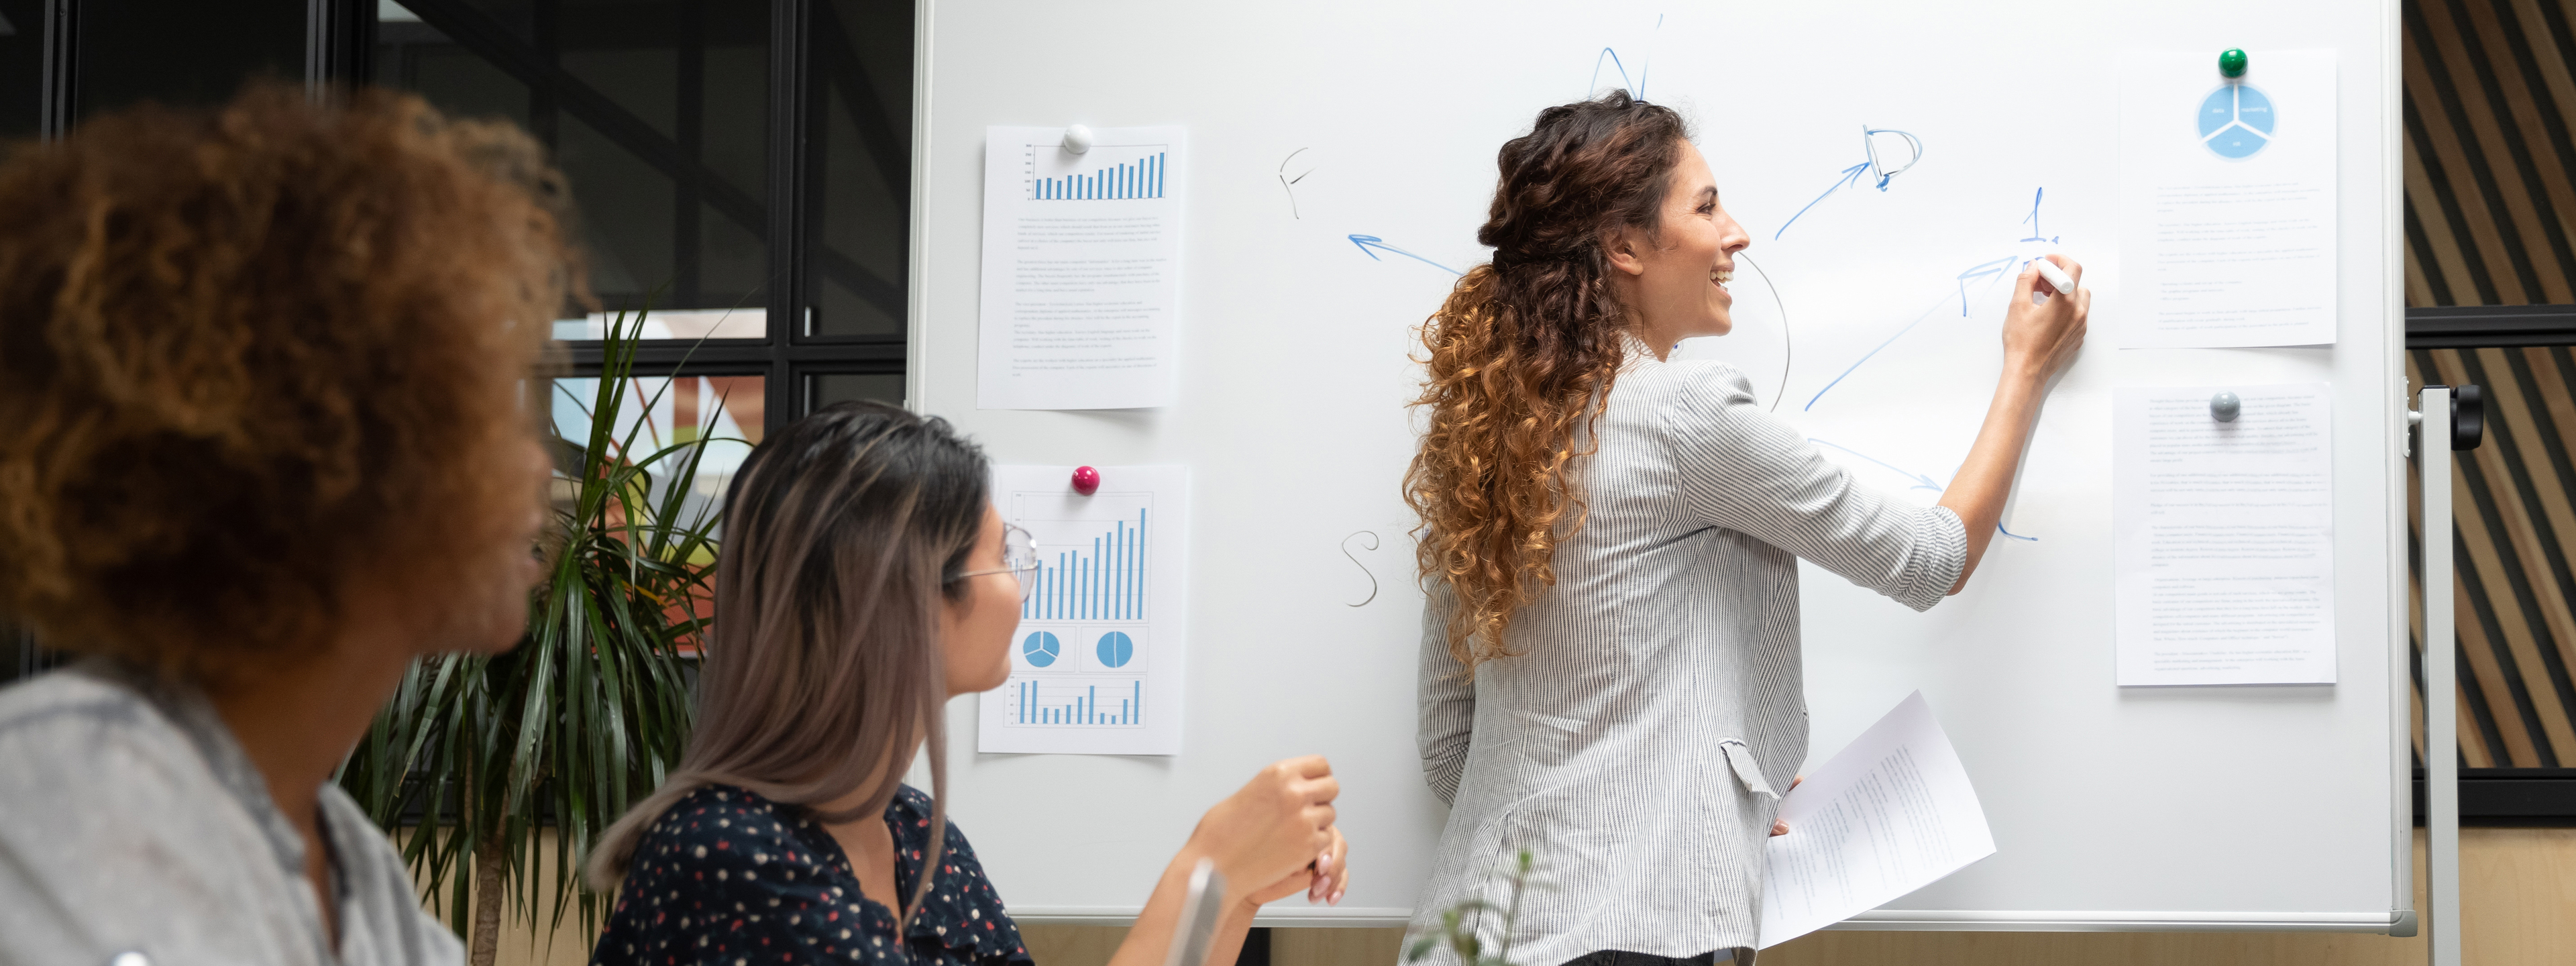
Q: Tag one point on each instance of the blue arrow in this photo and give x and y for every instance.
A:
(1921, 482)
(1865, 357)
(1367, 242)
(1851, 176)
(1980, 270)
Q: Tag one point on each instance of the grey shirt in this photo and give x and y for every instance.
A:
(1635, 743)
(130, 820)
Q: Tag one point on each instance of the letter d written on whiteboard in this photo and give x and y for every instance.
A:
(1082, 269)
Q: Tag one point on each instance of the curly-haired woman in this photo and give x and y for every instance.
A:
(1609, 670)
(261, 369)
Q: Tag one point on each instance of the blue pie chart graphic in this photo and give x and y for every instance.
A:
(1040, 649)
(1116, 649)
(2236, 121)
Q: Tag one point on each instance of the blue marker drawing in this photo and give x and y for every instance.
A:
(1851, 176)
(1367, 242)
(1636, 89)
(2033, 220)
(1918, 481)
(1981, 270)
(1865, 357)
(1872, 166)
(1989, 270)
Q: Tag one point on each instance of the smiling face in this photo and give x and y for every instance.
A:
(1674, 282)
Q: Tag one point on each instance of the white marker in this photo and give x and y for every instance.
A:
(2056, 276)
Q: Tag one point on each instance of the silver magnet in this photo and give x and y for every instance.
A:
(2224, 407)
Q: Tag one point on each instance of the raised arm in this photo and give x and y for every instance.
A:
(2039, 340)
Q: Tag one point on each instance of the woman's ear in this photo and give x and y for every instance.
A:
(1622, 247)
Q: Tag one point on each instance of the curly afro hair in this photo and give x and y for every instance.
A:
(249, 353)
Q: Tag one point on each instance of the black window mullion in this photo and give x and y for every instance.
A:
(60, 88)
(788, 120)
(690, 122)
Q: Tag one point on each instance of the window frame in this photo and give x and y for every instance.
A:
(2495, 797)
(342, 40)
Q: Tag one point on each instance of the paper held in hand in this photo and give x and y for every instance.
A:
(1891, 814)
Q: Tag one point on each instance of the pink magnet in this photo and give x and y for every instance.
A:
(1086, 480)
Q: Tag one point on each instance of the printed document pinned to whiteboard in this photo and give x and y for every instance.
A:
(1892, 813)
(2225, 535)
(1096, 662)
(2227, 200)
(1082, 269)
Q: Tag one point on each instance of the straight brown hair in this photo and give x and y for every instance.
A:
(824, 668)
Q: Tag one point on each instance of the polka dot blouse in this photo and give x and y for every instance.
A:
(728, 877)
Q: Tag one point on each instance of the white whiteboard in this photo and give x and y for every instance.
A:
(2199, 808)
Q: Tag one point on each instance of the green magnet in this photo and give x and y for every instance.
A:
(2231, 63)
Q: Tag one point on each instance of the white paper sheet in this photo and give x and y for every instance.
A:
(2225, 555)
(1082, 269)
(1892, 813)
(1096, 665)
(2228, 200)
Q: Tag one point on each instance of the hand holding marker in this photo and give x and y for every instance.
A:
(2057, 277)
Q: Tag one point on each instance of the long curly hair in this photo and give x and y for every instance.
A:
(1524, 352)
(249, 352)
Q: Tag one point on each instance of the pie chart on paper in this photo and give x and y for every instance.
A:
(1116, 649)
(1040, 649)
(2236, 121)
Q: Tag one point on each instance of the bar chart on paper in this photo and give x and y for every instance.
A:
(1078, 702)
(1108, 172)
(1090, 569)
(1095, 663)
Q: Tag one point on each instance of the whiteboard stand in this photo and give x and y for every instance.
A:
(2446, 420)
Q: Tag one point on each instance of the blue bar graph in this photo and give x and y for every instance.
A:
(1107, 583)
(1078, 703)
(1142, 178)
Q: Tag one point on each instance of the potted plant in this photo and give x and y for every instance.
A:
(590, 711)
(1461, 926)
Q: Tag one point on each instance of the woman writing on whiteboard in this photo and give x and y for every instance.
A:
(1610, 656)
(865, 580)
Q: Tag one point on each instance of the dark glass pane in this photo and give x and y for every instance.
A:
(188, 52)
(733, 263)
(824, 389)
(657, 111)
(628, 51)
(861, 69)
(22, 73)
(626, 216)
(416, 57)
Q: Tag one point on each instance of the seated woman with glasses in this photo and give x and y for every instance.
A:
(865, 580)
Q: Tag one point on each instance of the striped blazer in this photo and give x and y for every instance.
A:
(1655, 706)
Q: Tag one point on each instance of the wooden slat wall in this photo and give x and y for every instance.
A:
(2490, 168)
(2490, 152)
(2514, 520)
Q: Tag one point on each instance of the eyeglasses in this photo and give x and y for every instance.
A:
(1019, 559)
